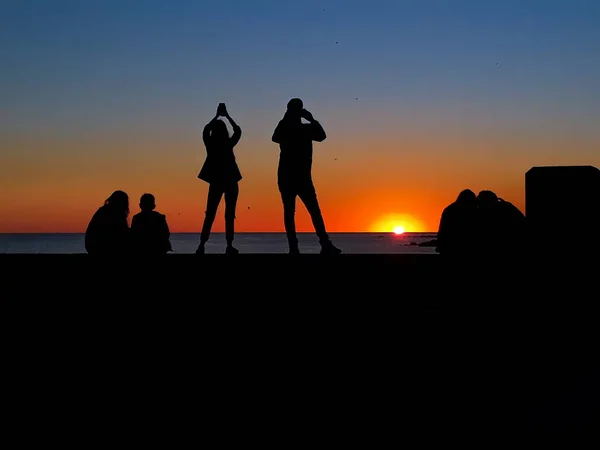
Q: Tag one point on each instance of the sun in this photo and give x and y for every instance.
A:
(399, 230)
(396, 223)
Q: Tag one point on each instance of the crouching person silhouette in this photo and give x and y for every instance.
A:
(221, 172)
(294, 177)
(150, 233)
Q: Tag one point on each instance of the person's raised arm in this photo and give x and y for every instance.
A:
(237, 130)
(317, 133)
(208, 128)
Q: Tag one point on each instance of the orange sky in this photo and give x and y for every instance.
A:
(419, 101)
(52, 184)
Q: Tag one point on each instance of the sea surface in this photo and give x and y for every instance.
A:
(244, 242)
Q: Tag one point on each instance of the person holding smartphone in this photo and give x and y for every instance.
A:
(294, 177)
(221, 172)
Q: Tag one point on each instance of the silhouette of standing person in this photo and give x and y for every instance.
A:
(149, 229)
(294, 177)
(221, 172)
(108, 231)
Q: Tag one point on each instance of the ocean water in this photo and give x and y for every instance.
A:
(244, 242)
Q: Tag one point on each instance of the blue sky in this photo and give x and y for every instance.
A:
(70, 64)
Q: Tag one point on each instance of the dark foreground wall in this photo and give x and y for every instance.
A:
(563, 203)
(550, 279)
(356, 348)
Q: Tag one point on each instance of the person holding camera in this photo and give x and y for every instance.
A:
(294, 177)
(221, 172)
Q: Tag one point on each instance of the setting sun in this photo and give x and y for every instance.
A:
(399, 230)
(397, 224)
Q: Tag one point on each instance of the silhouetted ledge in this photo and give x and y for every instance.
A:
(517, 259)
(221, 262)
(397, 256)
(464, 342)
(504, 279)
(241, 255)
(515, 263)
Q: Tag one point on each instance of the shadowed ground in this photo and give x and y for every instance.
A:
(359, 347)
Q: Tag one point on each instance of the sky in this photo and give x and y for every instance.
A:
(420, 99)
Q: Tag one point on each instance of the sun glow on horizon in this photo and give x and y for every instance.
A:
(399, 230)
(397, 224)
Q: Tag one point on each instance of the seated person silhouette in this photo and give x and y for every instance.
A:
(149, 229)
(108, 231)
(502, 225)
(457, 233)
(294, 177)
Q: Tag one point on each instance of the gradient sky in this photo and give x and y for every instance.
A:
(420, 99)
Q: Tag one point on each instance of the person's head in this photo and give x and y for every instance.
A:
(467, 198)
(118, 202)
(294, 108)
(147, 202)
(219, 131)
(487, 200)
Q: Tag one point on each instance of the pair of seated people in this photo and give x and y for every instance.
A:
(482, 224)
(108, 232)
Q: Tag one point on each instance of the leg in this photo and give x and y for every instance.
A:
(308, 195)
(231, 197)
(288, 198)
(215, 192)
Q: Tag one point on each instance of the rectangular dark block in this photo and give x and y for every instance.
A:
(563, 201)
(455, 343)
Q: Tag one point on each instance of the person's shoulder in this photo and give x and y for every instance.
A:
(449, 209)
(97, 216)
(510, 210)
(509, 206)
(100, 213)
(161, 219)
(158, 215)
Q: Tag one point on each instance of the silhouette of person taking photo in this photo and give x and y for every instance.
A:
(108, 231)
(149, 229)
(221, 172)
(294, 177)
